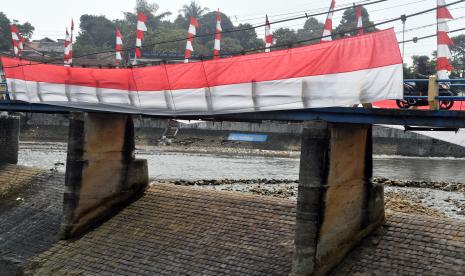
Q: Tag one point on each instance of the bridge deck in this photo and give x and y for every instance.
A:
(443, 118)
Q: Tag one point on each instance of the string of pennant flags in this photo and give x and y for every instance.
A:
(443, 39)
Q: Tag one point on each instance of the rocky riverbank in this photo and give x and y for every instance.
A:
(435, 199)
(443, 186)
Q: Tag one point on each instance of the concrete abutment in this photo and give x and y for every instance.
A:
(9, 138)
(102, 174)
(337, 204)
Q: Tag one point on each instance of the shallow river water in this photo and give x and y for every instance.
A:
(189, 166)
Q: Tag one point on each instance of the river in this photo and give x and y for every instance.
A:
(188, 166)
(166, 166)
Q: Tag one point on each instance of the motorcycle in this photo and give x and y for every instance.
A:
(417, 89)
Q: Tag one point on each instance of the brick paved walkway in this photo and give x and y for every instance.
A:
(185, 230)
(410, 245)
(177, 230)
(30, 216)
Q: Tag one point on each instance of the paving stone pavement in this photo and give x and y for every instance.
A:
(410, 245)
(175, 230)
(30, 217)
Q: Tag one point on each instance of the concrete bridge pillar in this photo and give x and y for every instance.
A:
(9, 138)
(337, 204)
(102, 175)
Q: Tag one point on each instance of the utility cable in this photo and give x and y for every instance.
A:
(281, 45)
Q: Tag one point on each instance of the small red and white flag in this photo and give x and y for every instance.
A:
(327, 31)
(359, 20)
(17, 40)
(141, 28)
(217, 47)
(194, 24)
(268, 35)
(119, 46)
(444, 41)
(68, 57)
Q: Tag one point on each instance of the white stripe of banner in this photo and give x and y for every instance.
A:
(315, 91)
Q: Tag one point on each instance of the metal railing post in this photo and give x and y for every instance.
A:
(433, 92)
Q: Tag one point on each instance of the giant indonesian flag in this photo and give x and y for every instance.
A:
(354, 70)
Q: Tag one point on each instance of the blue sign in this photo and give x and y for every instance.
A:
(248, 137)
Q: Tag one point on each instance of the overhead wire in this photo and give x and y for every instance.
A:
(282, 45)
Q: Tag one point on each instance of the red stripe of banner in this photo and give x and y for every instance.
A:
(329, 24)
(345, 55)
(444, 39)
(443, 13)
(443, 64)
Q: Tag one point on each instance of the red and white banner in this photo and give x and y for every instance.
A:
(328, 29)
(68, 55)
(268, 35)
(359, 20)
(219, 29)
(17, 40)
(119, 47)
(191, 33)
(141, 28)
(348, 71)
(444, 41)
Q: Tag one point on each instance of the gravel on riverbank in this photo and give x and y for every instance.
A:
(414, 197)
(443, 186)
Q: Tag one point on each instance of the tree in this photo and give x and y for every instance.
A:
(207, 27)
(313, 29)
(193, 9)
(285, 37)
(229, 46)
(97, 34)
(408, 72)
(423, 65)
(165, 34)
(248, 38)
(348, 24)
(5, 33)
(458, 55)
(26, 30)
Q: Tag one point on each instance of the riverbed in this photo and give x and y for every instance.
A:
(171, 166)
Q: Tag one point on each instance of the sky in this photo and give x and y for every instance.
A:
(50, 17)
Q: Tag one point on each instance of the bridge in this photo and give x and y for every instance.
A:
(337, 204)
(337, 207)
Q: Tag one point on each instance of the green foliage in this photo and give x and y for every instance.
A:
(97, 34)
(193, 9)
(313, 29)
(423, 65)
(248, 39)
(207, 25)
(5, 34)
(285, 37)
(458, 56)
(165, 34)
(349, 23)
(26, 30)
(229, 46)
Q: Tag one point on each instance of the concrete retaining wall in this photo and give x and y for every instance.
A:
(282, 136)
